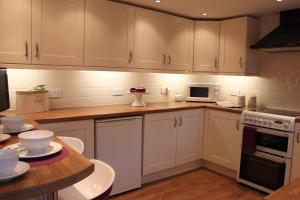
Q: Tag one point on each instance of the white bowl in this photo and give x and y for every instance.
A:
(8, 161)
(13, 123)
(36, 142)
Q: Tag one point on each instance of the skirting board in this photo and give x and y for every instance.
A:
(186, 168)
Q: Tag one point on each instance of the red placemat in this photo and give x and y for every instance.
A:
(48, 160)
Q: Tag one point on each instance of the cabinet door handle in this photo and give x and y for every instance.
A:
(169, 57)
(37, 53)
(298, 137)
(164, 59)
(241, 61)
(130, 57)
(180, 121)
(216, 63)
(175, 122)
(26, 49)
(237, 125)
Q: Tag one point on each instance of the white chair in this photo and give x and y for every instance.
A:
(96, 186)
(74, 143)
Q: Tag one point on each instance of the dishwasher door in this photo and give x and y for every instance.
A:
(118, 142)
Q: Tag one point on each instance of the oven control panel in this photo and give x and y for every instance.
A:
(269, 121)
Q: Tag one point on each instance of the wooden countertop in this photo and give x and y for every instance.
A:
(49, 178)
(289, 192)
(108, 111)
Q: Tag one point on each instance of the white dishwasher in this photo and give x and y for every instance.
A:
(119, 143)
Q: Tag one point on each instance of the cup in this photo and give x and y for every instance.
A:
(13, 123)
(8, 161)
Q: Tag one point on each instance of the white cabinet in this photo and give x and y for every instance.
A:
(236, 37)
(179, 43)
(15, 34)
(109, 34)
(83, 130)
(162, 41)
(57, 32)
(296, 154)
(149, 39)
(222, 139)
(171, 139)
(119, 143)
(206, 46)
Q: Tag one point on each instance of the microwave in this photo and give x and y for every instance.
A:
(203, 92)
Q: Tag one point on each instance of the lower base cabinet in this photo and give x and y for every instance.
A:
(172, 139)
(83, 130)
(222, 138)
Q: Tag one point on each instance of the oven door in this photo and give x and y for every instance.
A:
(264, 171)
(275, 142)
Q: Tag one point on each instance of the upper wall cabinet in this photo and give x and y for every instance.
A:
(109, 30)
(149, 39)
(57, 32)
(15, 34)
(206, 46)
(162, 41)
(236, 37)
(180, 40)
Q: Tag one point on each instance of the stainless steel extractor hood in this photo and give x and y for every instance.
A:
(284, 38)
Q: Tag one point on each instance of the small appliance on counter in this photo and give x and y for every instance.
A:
(32, 101)
(4, 94)
(138, 92)
(203, 92)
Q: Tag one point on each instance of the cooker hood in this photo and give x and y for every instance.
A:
(284, 38)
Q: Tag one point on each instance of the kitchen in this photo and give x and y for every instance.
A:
(90, 59)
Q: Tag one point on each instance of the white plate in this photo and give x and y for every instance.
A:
(26, 127)
(21, 168)
(53, 148)
(4, 137)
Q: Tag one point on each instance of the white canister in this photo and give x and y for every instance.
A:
(179, 97)
(252, 101)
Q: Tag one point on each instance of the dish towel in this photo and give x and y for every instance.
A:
(249, 140)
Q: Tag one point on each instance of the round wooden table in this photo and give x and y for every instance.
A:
(47, 179)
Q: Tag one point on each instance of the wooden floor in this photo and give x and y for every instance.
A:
(200, 184)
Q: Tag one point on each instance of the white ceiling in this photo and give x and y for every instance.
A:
(219, 8)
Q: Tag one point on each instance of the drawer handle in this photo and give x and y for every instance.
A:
(180, 121)
(237, 125)
(241, 61)
(169, 57)
(130, 57)
(216, 63)
(37, 53)
(26, 49)
(175, 122)
(164, 59)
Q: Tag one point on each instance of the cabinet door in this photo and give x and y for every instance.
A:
(57, 32)
(222, 139)
(15, 34)
(180, 38)
(159, 142)
(149, 39)
(83, 130)
(189, 136)
(296, 155)
(233, 45)
(108, 34)
(206, 46)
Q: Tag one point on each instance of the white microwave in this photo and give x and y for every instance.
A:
(203, 92)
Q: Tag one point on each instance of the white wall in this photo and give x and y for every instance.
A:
(277, 86)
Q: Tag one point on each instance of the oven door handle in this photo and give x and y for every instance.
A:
(271, 131)
(272, 157)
